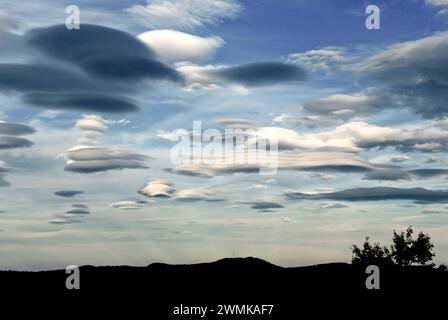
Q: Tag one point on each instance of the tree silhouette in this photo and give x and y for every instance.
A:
(404, 251)
(371, 254)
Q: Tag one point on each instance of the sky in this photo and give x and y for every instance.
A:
(91, 119)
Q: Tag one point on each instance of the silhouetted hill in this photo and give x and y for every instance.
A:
(158, 288)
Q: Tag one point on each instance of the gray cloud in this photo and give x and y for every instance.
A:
(102, 51)
(263, 205)
(333, 206)
(14, 129)
(97, 68)
(82, 101)
(68, 193)
(394, 174)
(79, 205)
(376, 194)
(390, 174)
(262, 73)
(78, 211)
(9, 142)
(22, 77)
(428, 173)
(415, 72)
(3, 182)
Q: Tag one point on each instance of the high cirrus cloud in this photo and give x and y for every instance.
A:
(184, 15)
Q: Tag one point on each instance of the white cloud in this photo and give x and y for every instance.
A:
(184, 15)
(319, 59)
(400, 158)
(194, 194)
(91, 123)
(129, 204)
(174, 46)
(172, 135)
(357, 136)
(158, 187)
(443, 4)
(308, 161)
(87, 158)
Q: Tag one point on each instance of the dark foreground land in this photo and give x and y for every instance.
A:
(155, 291)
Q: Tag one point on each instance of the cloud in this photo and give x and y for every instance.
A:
(68, 193)
(333, 205)
(195, 194)
(375, 194)
(302, 161)
(94, 68)
(76, 214)
(79, 205)
(262, 73)
(414, 72)
(341, 107)
(235, 123)
(77, 211)
(172, 135)
(158, 188)
(184, 15)
(263, 205)
(9, 142)
(400, 158)
(87, 158)
(428, 172)
(322, 59)
(91, 127)
(174, 46)
(63, 221)
(3, 182)
(87, 42)
(322, 176)
(357, 136)
(14, 129)
(4, 167)
(163, 188)
(239, 77)
(82, 101)
(441, 4)
(388, 174)
(394, 174)
(7, 22)
(129, 204)
(22, 78)
(92, 159)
